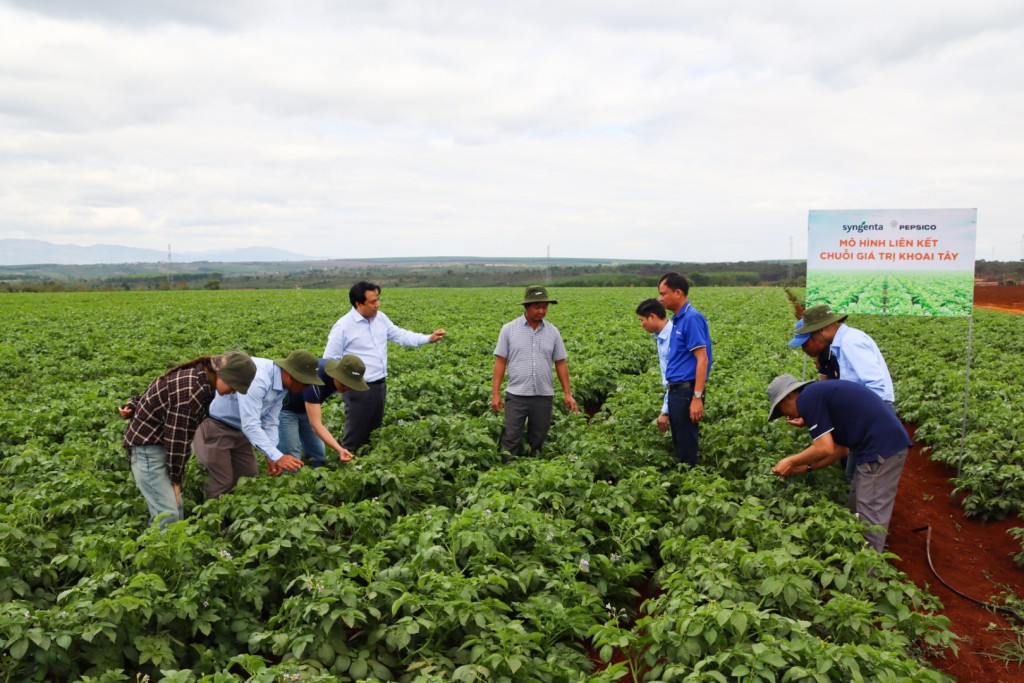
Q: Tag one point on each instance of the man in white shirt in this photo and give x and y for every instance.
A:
(365, 332)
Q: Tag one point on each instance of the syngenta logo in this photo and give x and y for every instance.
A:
(863, 226)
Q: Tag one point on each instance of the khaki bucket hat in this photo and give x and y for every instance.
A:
(236, 368)
(302, 365)
(781, 387)
(817, 317)
(537, 294)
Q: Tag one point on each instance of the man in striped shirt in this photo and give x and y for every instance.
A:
(527, 347)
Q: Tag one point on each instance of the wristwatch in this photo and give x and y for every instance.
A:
(698, 394)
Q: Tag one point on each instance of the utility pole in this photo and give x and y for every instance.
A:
(547, 270)
(789, 269)
(170, 269)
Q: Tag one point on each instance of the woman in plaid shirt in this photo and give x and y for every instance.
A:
(165, 418)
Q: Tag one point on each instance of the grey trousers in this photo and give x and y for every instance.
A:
(533, 412)
(225, 453)
(873, 493)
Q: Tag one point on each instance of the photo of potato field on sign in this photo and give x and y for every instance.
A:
(893, 293)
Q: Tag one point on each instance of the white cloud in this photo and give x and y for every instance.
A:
(651, 130)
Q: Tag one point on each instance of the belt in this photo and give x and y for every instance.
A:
(222, 422)
(378, 381)
(680, 385)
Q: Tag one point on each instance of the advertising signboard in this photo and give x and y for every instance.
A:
(892, 261)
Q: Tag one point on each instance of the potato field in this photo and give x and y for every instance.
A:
(427, 558)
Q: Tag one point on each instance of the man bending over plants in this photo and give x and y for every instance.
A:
(163, 421)
(302, 428)
(846, 418)
(224, 441)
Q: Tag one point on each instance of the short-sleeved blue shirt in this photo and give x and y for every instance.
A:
(856, 417)
(689, 332)
(296, 402)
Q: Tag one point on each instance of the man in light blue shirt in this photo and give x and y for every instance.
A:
(857, 354)
(654, 320)
(822, 331)
(224, 441)
(365, 332)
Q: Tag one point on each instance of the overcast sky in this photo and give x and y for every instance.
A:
(668, 130)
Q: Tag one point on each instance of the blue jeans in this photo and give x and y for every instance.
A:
(295, 436)
(149, 466)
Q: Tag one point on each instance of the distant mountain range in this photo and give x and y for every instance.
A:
(16, 252)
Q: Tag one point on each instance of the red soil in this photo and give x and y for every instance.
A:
(974, 557)
(1006, 299)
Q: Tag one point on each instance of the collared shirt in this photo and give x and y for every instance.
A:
(861, 361)
(168, 414)
(368, 339)
(257, 412)
(663, 339)
(689, 332)
(314, 393)
(855, 417)
(530, 354)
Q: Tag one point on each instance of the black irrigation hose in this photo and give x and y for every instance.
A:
(986, 605)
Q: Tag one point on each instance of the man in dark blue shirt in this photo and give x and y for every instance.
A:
(302, 429)
(687, 367)
(844, 417)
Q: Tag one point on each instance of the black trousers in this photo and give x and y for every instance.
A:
(364, 412)
(533, 412)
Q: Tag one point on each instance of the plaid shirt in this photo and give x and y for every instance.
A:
(168, 414)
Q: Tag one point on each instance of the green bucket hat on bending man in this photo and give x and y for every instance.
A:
(348, 370)
(235, 368)
(302, 366)
(536, 294)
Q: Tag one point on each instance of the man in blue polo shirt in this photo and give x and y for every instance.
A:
(687, 367)
(846, 417)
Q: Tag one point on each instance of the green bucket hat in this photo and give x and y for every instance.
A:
(301, 365)
(817, 317)
(349, 370)
(236, 368)
(537, 294)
